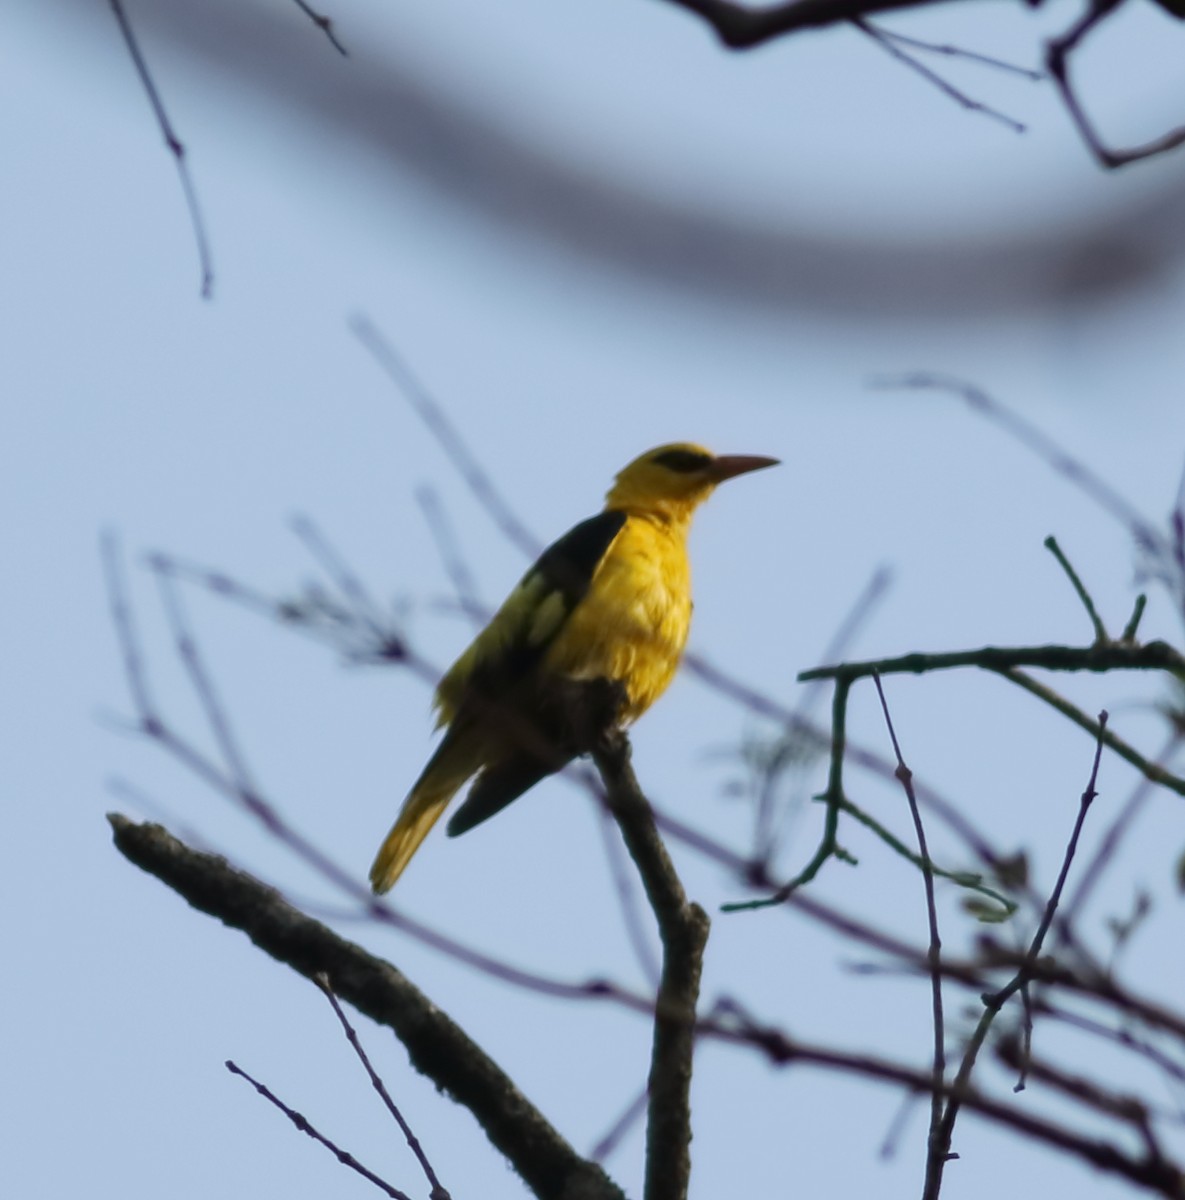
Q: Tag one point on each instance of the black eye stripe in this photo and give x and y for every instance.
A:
(682, 460)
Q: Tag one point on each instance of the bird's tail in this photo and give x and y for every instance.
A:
(443, 777)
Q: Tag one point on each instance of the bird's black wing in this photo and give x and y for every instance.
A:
(569, 564)
(502, 675)
(511, 645)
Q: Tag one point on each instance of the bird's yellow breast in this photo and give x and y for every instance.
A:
(632, 623)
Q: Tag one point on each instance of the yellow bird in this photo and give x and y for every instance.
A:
(607, 606)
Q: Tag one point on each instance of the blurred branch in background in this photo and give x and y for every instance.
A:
(432, 129)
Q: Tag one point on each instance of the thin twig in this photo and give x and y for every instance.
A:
(833, 798)
(1109, 843)
(630, 1116)
(1133, 624)
(993, 1002)
(451, 558)
(960, 52)
(938, 1151)
(1150, 768)
(799, 730)
(627, 901)
(125, 631)
(424, 405)
(439, 1192)
(1146, 535)
(324, 24)
(972, 881)
(890, 45)
(896, 1130)
(203, 686)
(174, 143)
(1085, 800)
(355, 626)
(1022, 977)
(1173, 1070)
(1100, 631)
(394, 648)
(1014, 1052)
(302, 1123)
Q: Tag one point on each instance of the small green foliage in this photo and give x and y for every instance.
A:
(988, 912)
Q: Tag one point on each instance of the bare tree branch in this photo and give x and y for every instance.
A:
(436, 1045)
(937, 1148)
(683, 927)
(1112, 656)
(1057, 59)
(441, 1050)
(1005, 661)
(741, 28)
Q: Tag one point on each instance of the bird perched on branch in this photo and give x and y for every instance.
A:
(588, 640)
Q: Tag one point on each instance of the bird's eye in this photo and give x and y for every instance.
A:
(684, 461)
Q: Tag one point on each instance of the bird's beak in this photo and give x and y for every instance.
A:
(729, 466)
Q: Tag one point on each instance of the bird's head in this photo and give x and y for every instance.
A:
(670, 481)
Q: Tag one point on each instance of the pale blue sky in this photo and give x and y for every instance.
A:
(506, 197)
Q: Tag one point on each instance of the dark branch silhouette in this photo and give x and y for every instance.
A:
(442, 1051)
(683, 927)
(741, 28)
(436, 1045)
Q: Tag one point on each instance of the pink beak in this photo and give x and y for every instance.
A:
(729, 466)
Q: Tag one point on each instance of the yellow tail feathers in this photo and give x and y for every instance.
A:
(443, 777)
(419, 813)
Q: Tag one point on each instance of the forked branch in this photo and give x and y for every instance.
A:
(436, 1045)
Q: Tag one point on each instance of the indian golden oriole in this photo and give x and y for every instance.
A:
(607, 605)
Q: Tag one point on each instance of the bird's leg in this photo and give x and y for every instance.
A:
(589, 712)
(608, 742)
